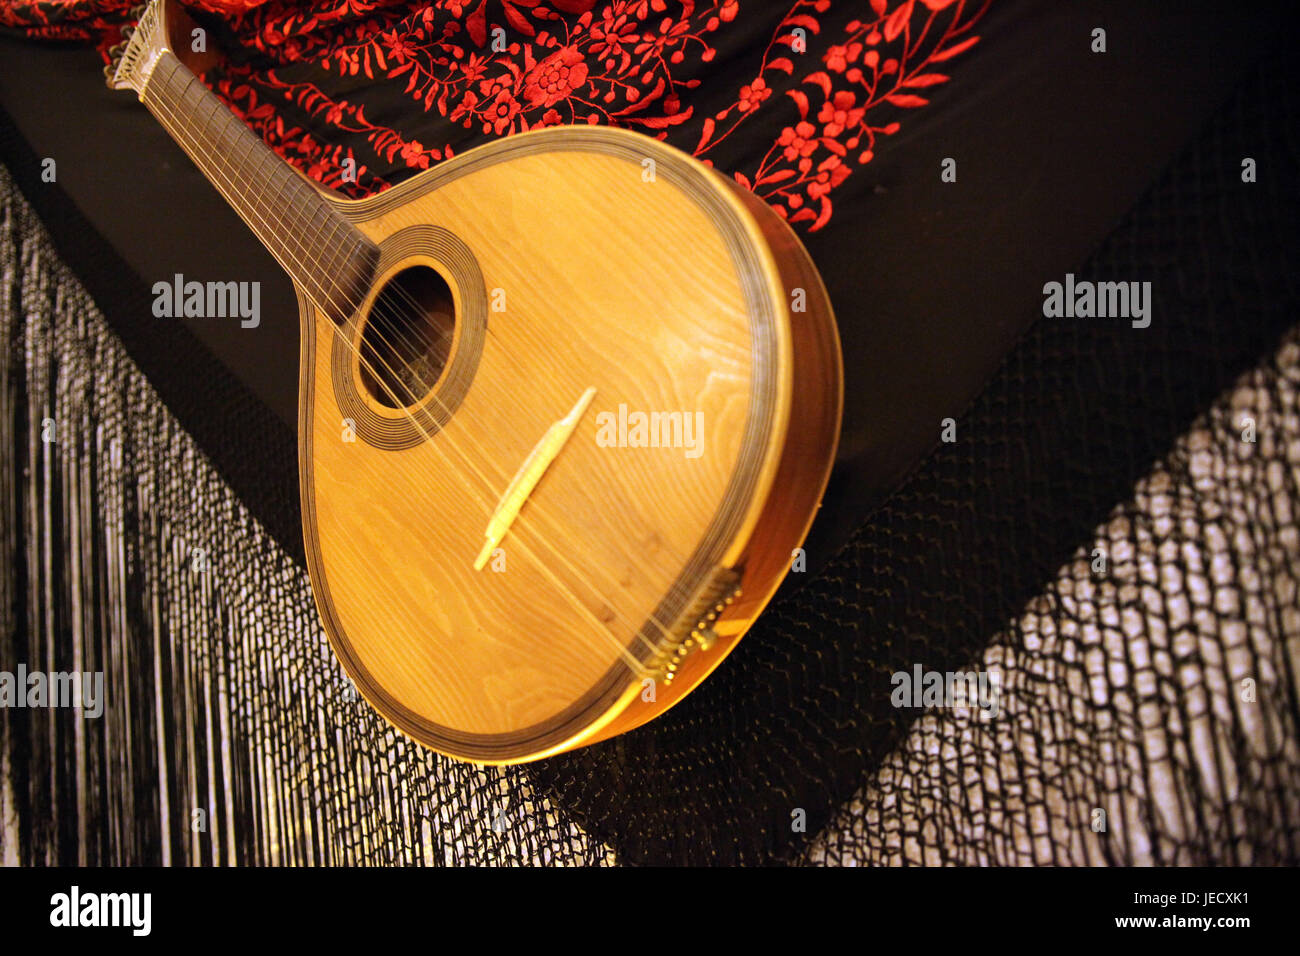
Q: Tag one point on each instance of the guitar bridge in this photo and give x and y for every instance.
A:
(697, 634)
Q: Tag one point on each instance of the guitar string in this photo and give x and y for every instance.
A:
(418, 341)
(541, 516)
(636, 666)
(538, 511)
(630, 659)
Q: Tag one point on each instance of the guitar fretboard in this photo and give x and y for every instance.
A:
(324, 253)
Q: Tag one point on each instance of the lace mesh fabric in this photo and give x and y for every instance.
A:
(1160, 691)
(1121, 690)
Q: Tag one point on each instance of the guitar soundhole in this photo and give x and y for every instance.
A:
(407, 337)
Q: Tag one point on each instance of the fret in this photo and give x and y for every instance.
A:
(291, 196)
(312, 234)
(313, 230)
(192, 95)
(204, 135)
(348, 254)
(326, 241)
(163, 73)
(194, 92)
(264, 157)
(335, 223)
(318, 240)
(205, 122)
(305, 239)
(250, 144)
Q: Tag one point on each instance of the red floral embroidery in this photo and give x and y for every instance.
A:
(873, 65)
(555, 78)
(835, 80)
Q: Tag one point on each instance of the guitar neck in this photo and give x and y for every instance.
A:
(327, 257)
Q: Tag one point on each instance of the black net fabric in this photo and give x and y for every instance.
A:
(1146, 710)
(1124, 691)
(1148, 707)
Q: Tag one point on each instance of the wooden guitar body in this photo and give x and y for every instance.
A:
(584, 282)
(669, 295)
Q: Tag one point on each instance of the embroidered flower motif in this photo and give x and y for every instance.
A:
(555, 78)
(838, 113)
(414, 155)
(799, 141)
(501, 113)
(753, 94)
(400, 48)
(613, 35)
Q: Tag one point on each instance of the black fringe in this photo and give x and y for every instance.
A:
(229, 733)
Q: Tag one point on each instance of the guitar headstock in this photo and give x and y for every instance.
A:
(144, 45)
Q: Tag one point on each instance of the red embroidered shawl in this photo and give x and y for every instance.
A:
(788, 98)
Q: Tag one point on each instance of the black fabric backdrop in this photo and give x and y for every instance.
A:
(933, 284)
